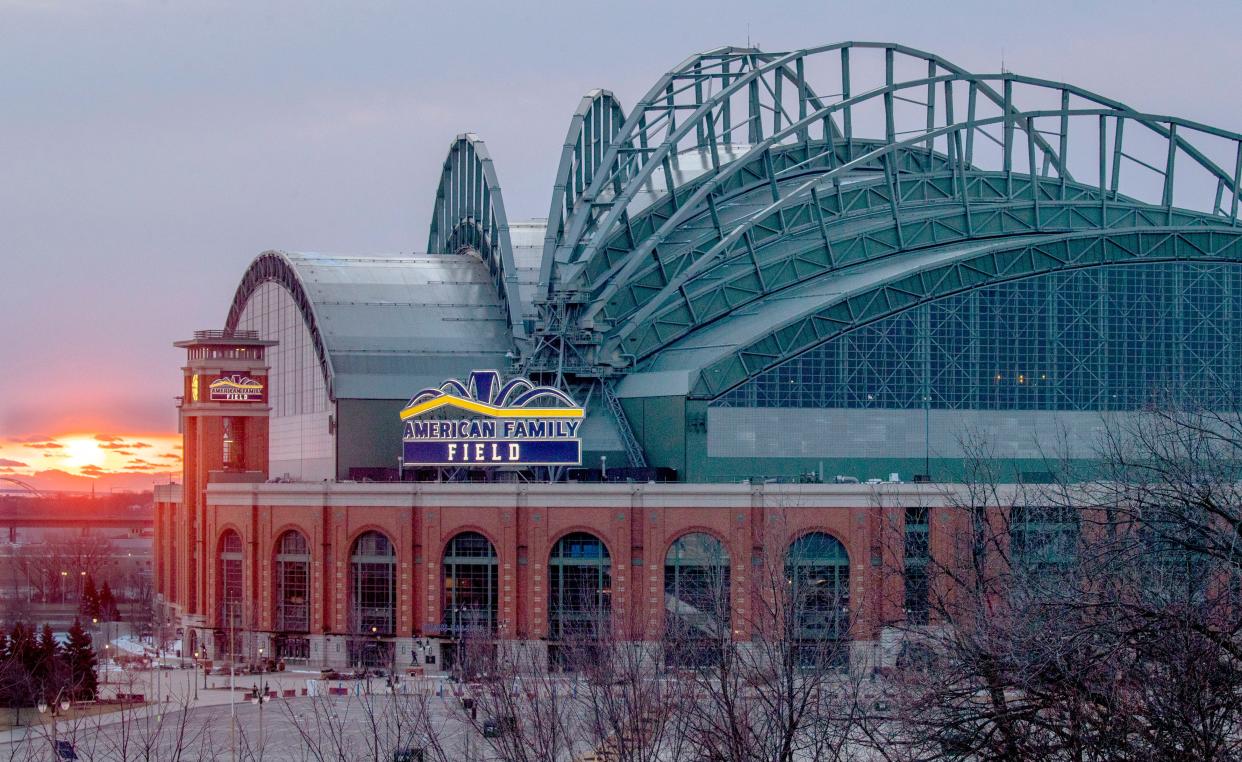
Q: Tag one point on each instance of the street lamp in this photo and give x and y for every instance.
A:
(194, 679)
(57, 703)
(378, 657)
(260, 699)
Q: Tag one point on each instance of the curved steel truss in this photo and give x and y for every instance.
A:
(469, 214)
(274, 267)
(906, 198)
(592, 128)
(748, 97)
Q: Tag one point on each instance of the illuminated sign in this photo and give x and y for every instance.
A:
(235, 388)
(483, 423)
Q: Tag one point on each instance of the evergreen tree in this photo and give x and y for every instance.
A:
(22, 656)
(89, 606)
(107, 604)
(7, 671)
(44, 673)
(22, 646)
(79, 657)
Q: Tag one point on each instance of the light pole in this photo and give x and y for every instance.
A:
(375, 632)
(63, 706)
(232, 696)
(260, 698)
(194, 676)
(927, 434)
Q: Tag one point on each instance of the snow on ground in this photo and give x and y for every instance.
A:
(131, 645)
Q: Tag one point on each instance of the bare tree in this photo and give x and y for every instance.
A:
(784, 693)
(1074, 620)
(523, 711)
(629, 706)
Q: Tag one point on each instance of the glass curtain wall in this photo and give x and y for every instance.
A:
(1106, 338)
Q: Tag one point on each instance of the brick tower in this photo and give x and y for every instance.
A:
(224, 426)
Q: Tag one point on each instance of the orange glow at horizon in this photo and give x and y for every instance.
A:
(92, 455)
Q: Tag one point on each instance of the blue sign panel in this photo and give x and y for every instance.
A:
(483, 423)
(492, 452)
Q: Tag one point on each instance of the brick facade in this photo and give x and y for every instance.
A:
(637, 523)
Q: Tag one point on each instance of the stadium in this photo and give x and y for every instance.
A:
(778, 284)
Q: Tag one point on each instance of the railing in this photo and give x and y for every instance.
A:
(225, 335)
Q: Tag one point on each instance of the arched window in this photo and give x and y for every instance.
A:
(292, 583)
(696, 600)
(373, 585)
(230, 579)
(818, 569)
(229, 591)
(469, 581)
(579, 589)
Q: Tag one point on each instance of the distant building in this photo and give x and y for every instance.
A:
(50, 545)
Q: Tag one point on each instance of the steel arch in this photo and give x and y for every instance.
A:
(1000, 262)
(618, 262)
(275, 267)
(763, 155)
(469, 213)
(18, 482)
(592, 128)
(607, 199)
(773, 220)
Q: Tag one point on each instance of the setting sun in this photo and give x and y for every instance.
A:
(82, 451)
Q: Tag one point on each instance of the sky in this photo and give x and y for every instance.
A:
(149, 150)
